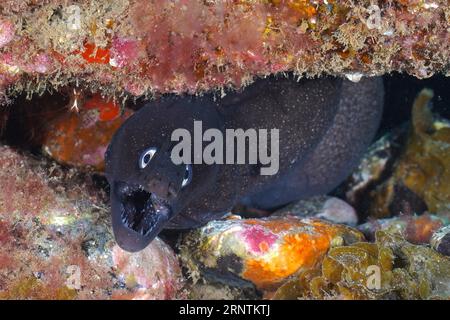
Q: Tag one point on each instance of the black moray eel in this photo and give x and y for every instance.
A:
(324, 127)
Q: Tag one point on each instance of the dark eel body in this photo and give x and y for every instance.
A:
(324, 125)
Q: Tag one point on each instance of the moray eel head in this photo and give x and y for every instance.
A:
(138, 215)
(147, 188)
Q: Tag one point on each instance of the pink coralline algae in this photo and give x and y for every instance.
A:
(149, 47)
(126, 51)
(147, 272)
(259, 240)
(56, 243)
(6, 32)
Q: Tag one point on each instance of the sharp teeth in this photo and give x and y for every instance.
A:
(141, 209)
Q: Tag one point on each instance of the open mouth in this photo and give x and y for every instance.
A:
(141, 211)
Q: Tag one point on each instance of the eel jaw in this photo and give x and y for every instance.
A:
(138, 216)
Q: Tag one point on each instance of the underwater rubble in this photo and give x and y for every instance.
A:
(415, 229)
(306, 258)
(148, 47)
(440, 240)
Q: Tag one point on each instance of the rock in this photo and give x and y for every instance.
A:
(56, 242)
(416, 180)
(6, 32)
(329, 208)
(440, 241)
(263, 252)
(415, 229)
(390, 268)
(425, 165)
(373, 191)
(80, 138)
(153, 47)
(373, 168)
(215, 291)
(148, 271)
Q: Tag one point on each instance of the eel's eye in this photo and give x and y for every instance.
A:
(146, 157)
(187, 176)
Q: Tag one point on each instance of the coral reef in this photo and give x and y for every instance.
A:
(390, 268)
(144, 47)
(56, 242)
(55, 237)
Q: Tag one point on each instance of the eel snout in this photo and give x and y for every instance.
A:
(138, 215)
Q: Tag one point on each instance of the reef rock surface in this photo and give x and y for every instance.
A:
(56, 242)
(146, 47)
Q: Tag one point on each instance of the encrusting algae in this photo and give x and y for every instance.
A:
(80, 138)
(265, 252)
(424, 165)
(145, 47)
(390, 268)
(56, 243)
(415, 229)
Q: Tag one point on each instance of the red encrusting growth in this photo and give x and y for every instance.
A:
(108, 109)
(94, 54)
